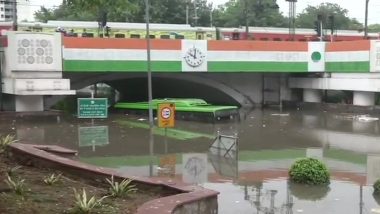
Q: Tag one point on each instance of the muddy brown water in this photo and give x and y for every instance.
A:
(252, 177)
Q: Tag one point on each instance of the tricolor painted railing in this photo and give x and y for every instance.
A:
(129, 55)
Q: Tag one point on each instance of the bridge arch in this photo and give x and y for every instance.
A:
(133, 86)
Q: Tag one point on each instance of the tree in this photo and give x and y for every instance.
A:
(307, 18)
(374, 28)
(162, 11)
(255, 12)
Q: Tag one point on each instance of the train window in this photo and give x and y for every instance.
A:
(302, 40)
(165, 37)
(120, 35)
(199, 36)
(235, 36)
(177, 36)
(2, 9)
(135, 36)
(209, 35)
(264, 39)
(152, 36)
(277, 39)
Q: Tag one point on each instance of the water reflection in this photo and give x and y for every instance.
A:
(252, 176)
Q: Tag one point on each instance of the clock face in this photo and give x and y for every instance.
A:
(194, 57)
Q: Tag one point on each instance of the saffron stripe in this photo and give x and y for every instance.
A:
(360, 45)
(116, 43)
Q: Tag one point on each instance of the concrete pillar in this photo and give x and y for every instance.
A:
(312, 95)
(29, 103)
(364, 98)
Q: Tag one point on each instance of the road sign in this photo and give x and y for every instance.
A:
(93, 136)
(92, 107)
(166, 112)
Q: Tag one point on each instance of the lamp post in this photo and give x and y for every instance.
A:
(148, 65)
(366, 20)
(14, 14)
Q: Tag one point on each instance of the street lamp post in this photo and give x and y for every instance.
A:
(148, 65)
(366, 20)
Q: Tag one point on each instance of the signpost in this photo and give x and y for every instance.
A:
(92, 108)
(165, 114)
(93, 136)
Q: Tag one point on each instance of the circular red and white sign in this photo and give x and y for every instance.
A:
(166, 113)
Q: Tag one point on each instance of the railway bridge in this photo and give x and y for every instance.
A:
(37, 67)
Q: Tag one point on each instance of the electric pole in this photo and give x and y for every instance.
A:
(366, 20)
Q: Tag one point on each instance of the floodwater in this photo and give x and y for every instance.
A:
(251, 175)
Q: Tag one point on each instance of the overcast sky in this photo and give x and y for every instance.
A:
(355, 7)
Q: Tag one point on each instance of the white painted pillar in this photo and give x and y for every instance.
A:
(29, 103)
(312, 95)
(364, 98)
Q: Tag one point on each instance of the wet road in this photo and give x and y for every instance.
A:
(251, 176)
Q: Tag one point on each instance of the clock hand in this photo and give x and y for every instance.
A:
(195, 53)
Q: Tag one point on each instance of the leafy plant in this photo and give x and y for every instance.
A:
(18, 186)
(376, 187)
(121, 189)
(52, 179)
(6, 141)
(12, 170)
(84, 204)
(309, 171)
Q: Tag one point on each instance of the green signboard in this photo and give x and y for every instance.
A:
(93, 136)
(92, 108)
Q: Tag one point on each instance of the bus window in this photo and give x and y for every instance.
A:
(165, 37)
(135, 36)
(235, 36)
(120, 35)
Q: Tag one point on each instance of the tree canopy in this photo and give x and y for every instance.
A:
(234, 13)
(307, 18)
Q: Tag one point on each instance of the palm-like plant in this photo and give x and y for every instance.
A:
(52, 179)
(6, 141)
(121, 189)
(85, 205)
(18, 186)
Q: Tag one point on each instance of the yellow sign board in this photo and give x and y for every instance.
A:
(165, 114)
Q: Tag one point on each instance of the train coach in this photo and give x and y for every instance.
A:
(182, 31)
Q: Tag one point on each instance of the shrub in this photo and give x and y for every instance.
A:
(121, 189)
(376, 187)
(11, 171)
(6, 141)
(18, 186)
(309, 171)
(52, 179)
(84, 205)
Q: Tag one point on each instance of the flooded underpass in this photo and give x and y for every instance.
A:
(251, 177)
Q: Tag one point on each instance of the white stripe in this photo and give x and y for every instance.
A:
(258, 56)
(347, 56)
(120, 54)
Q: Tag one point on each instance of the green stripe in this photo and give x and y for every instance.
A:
(120, 66)
(348, 67)
(228, 66)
